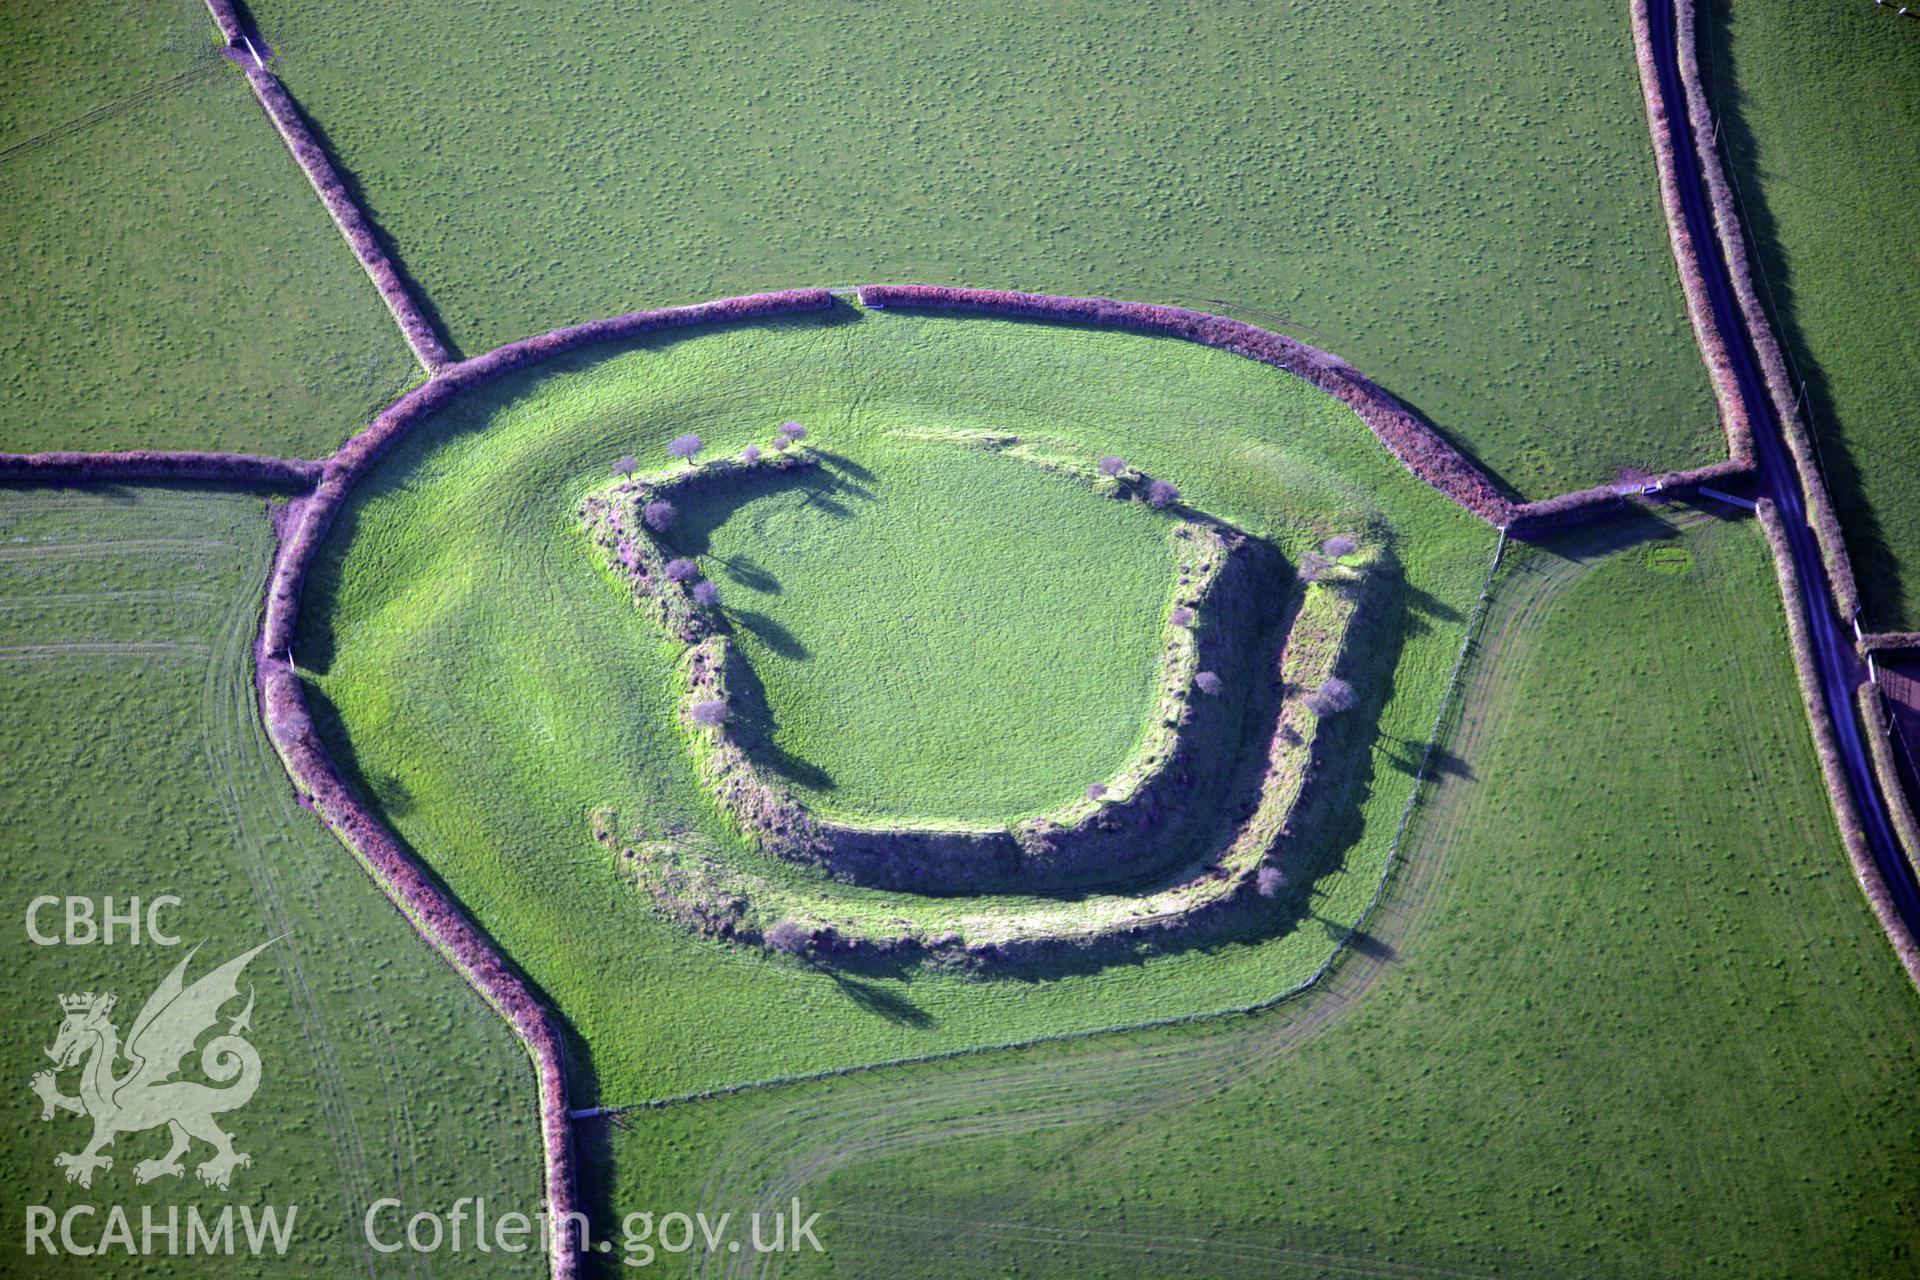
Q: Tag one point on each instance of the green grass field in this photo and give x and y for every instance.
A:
(940, 634)
(1466, 208)
(491, 689)
(1601, 997)
(1819, 110)
(1624, 1012)
(132, 764)
(171, 280)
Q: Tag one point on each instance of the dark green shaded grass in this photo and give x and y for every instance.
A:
(171, 280)
(1820, 109)
(1467, 208)
(131, 764)
(490, 689)
(1636, 1018)
(940, 633)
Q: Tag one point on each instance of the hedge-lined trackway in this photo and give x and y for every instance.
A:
(1819, 645)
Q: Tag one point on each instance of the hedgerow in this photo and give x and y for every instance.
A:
(1827, 748)
(302, 524)
(353, 224)
(1773, 365)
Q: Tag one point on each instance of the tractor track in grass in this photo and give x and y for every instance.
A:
(216, 640)
(203, 66)
(1269, 1259)
(290, 885)
(148, 649)
(228, 731)
(782, 1150)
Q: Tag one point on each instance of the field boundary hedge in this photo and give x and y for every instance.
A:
(1879, 730)
(352, 222)
(1699, 123)
(1706, 332)
(1422, 450)
(227, 18)
(301, 527)
(1841, 591)
(1891, 641)
(347, 215)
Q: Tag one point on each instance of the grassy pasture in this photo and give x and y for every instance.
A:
(1466, 207)
(1819, 110)
(171, 280)
(132, 764)
(491, 687)
(1623, 1013)
(972, 658)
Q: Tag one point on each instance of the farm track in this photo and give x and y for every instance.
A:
(145, 548)
(1226, 1256)
(781, 1151)
(146, 649)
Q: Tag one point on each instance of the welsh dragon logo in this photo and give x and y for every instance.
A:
(145, 1095)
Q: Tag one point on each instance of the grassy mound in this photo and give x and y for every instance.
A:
(1222, 596)
(488, 694)
(1260, 780)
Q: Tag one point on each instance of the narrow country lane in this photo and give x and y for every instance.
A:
(1834, 656)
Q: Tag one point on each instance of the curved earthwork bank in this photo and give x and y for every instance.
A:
(1225, 583)
(305, 522)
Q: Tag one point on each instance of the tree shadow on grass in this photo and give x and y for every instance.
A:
(1631, 527)
(1359, 939)
(879, 1001)
(1405, 755)
(770, 633)
(702, 510)
(843, 465)
(747, 572)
